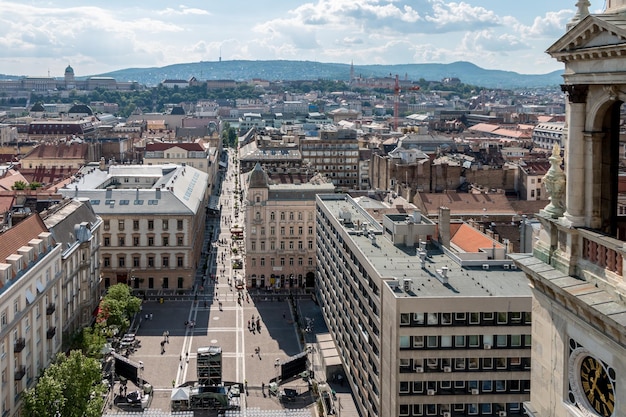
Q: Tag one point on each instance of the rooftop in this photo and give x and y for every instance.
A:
(400, 262)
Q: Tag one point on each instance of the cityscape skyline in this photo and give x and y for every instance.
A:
(37, 40)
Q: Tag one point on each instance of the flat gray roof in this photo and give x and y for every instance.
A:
(402, 262)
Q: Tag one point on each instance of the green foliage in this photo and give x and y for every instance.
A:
(117, 308)
(70, 387)
(229, 136)
(19, 185)
(34, 185)
(90, 341)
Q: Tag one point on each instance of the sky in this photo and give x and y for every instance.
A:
(40, 38)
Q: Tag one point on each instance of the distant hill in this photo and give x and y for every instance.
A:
(467, 72)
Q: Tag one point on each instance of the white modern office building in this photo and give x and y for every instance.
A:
(423, 327)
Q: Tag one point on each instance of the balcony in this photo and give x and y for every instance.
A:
(51, 332)
(605, 252)
(20, 371)
(50, 309)
(19, 345)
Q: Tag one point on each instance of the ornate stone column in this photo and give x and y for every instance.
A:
(575, 155)
(593, 186)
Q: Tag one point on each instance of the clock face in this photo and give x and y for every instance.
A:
(597, 386)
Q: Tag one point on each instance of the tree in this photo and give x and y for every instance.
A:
(70, 387)
(117, 308)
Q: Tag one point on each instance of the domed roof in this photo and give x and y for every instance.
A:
(69, 70)
(80, 108)
(258, 177)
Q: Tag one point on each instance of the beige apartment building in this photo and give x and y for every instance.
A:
(280, 230)
(31, 282)
(75, 225)
(335, 154)
(153, 222)
(422, 328)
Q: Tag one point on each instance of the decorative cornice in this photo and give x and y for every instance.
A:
(577, 93)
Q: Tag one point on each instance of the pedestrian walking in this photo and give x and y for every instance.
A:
(167, 336)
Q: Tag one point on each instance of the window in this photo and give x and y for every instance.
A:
(405, 319)
(404, 388)
(459, 341)
(418, 387)
(516, 317)
(106, 225)
(460, 317)
(135, 224)
(107, 241)
(262, 261)
(282, 245)
(516, 340)
(253, 245)
(432, 363)
(418, 341)
(150, 240)
(262, 230)
(418, 318)
(282, 230)
(487, 363)
(472, 409)
(165, 261)
(488, 339)
(151, 261)
(405, 341)
(121, 241)
(107, 261)
(404, 408)
(528, 340)
(432, 341)
(488, 316)
(135, 261)
(291, 215)
(501, 340)
(166, 224)
(272, 245)
(290, 230)
(179, 224)
(179, 240)
(472, 363)
(474, 318)
(502, 318)
(166, 241)
(432, 319)
(473, 340)
(135, 240)
(180, 261)
(310, 261)
(272, 216)
(300, 230)
(459, 363)
(253, 261)
(290, 261)
(120, 224)
(299, 215)
(300, 245)
(500, 363)
(486, 407)
(446, 341)
(310, 244)
(446, 318)
(282, 261)
(300, 261)
(121, 261)
(272, 262)
(272, 231)
(282, 215)
(150, 224)
(500, 385)
(310, 230)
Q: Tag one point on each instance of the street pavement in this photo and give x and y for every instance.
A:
(174, 364)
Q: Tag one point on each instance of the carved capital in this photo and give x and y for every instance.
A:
(577, 93)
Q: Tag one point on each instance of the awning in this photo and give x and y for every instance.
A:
(29, 297)
(40, 287)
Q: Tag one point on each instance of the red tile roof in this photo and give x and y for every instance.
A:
(20, 234)
(471, 240)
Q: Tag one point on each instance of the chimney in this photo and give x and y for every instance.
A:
(102, 164)
(444, 226)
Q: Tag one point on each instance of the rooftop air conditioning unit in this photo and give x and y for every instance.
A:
(507, 266)
(501, 413)
(474, 391)
(487, 346)
(431, 392)
(447, 369)
(406, 284)
(485, 266)
(419, 369)
(513, 266)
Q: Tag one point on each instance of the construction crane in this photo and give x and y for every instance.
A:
(396, 101)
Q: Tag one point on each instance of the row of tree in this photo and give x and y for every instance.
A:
(73, 386)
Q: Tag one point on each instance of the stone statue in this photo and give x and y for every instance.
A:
(554, 181)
